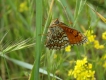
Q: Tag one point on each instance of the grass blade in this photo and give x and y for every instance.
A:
(35, 70)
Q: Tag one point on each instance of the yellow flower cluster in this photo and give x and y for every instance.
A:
(23, 6)
(104, 35)
(68, 48)
(91, 38)
(104, 61)
(82, 70)
(97, 45)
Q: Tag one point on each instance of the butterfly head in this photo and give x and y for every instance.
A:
(56, 22)
(53, 25)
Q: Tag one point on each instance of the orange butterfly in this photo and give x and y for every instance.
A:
(60, 36)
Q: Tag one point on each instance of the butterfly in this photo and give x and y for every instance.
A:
(60, 36)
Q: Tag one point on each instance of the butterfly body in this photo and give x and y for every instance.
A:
(60, 36)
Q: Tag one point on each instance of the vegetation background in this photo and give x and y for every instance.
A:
(23, 30)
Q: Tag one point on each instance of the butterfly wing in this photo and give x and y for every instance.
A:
(56, 38)
(74, 36)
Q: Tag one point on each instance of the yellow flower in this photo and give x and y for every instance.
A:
(68, 48)
(104, 57)
(23, 7)
(82, 70)
(90, 36)
(70, 73)
(90, 66)
(97, 45)
(104, 65)
(104, 35)
(103, 61)
(89, 32)
(101, 46)
(81, 62)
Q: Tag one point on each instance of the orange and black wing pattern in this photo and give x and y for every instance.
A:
(60, 36)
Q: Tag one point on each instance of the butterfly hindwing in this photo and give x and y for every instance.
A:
(56, 38)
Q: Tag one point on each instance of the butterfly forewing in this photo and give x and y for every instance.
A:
(74, 36)
(60, 36)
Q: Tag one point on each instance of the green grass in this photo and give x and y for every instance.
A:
(23, 34)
